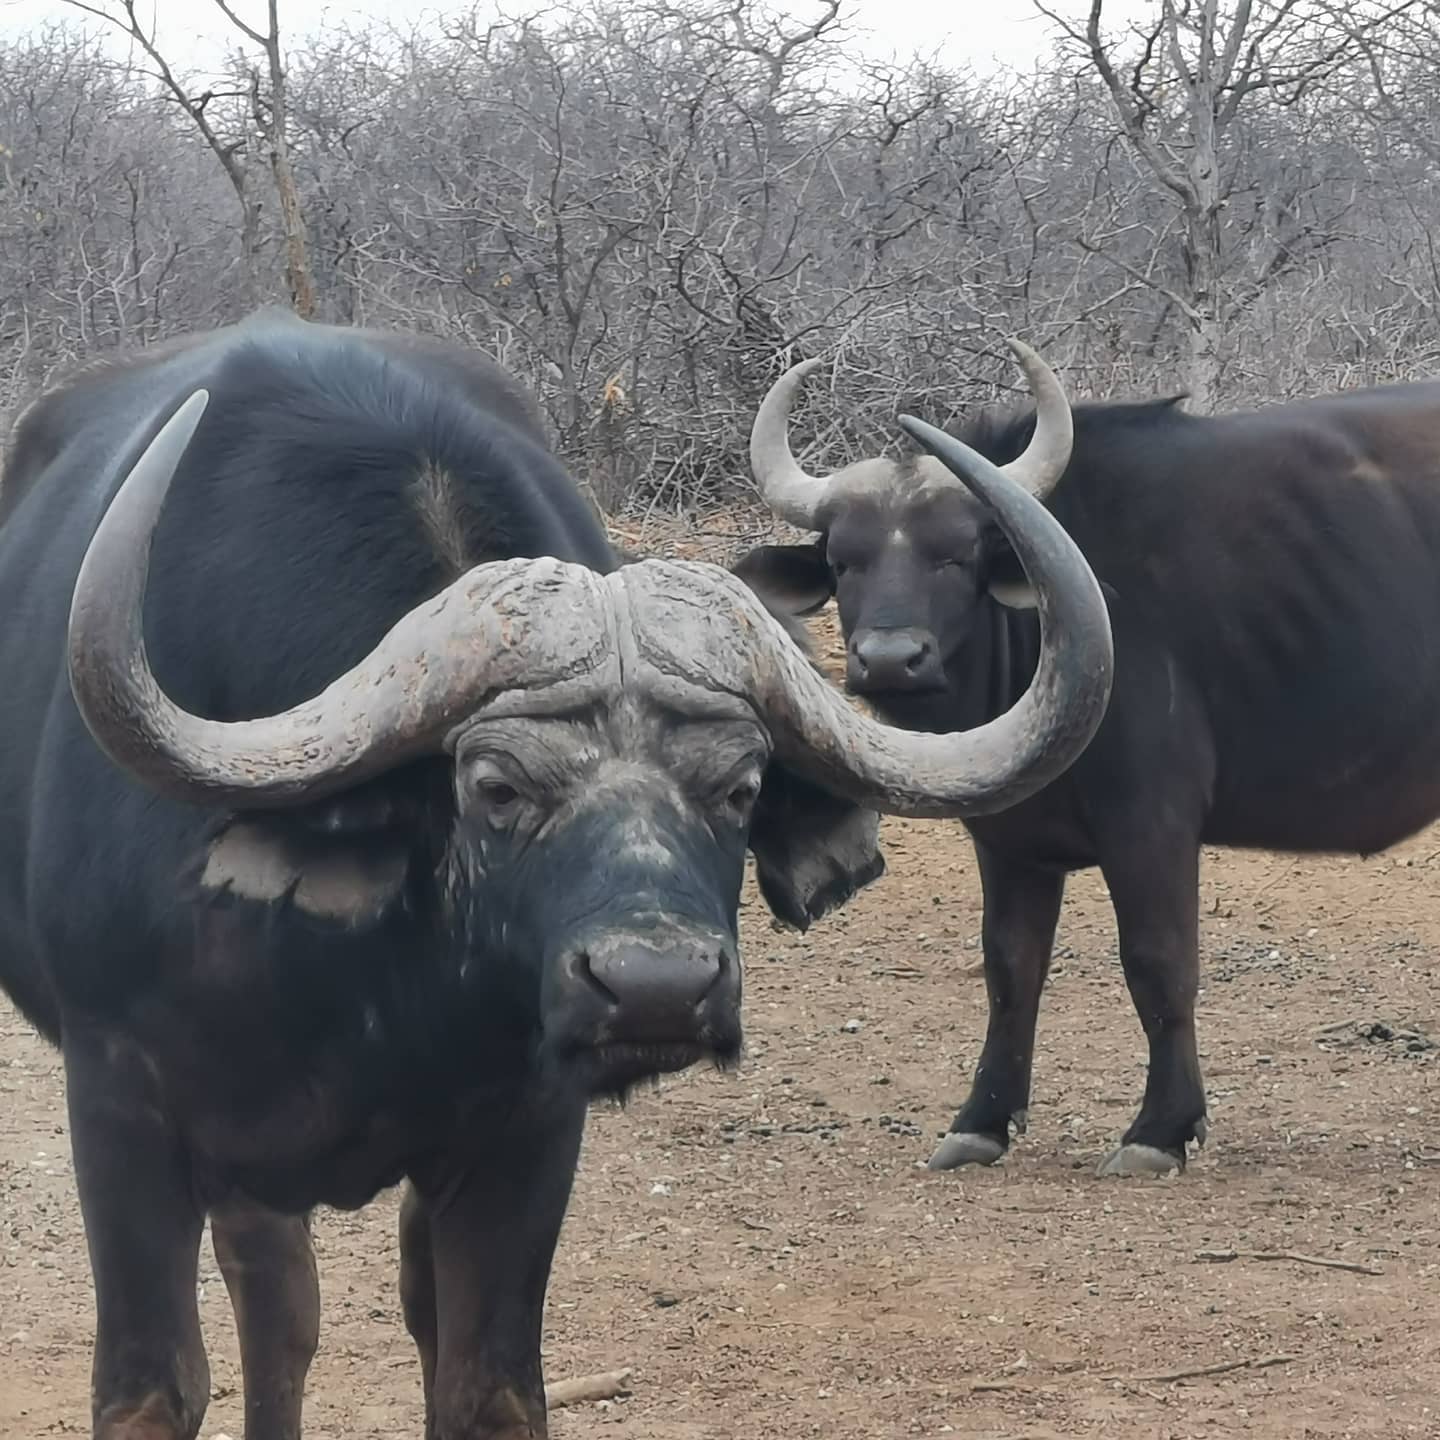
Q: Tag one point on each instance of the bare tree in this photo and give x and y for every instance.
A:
(1196, 68)
(224, 142)
(1402, 98)
(267, 110)
(270, 109)
(647, 211)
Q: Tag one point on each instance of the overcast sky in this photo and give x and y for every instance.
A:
(983, 32)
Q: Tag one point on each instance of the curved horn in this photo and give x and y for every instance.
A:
(512, 624)
(705, 630)
(1039, 469)
(788, 490)
(995, 766)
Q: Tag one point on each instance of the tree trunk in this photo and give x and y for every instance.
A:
(292, 219)
(1203, 258)
(1204, 330)
(292, 215)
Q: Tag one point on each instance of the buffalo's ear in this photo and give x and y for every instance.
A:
(813, 850)
(272, 864)
(1005, 577)
(795, 579)
(344, 862)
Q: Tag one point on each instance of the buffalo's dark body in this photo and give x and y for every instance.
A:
(1273, 580)
(247, 1055)
(290, 544)
(1276, 576)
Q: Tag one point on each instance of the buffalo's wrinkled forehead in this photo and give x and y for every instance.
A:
(622, 754)
(632, 808)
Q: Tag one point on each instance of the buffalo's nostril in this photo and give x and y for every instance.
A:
(580, 968)
(893, 659)
(639, 976)
(723, 965)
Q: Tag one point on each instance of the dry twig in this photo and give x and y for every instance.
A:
(607, 1385)
(1224, 1367)
(1220, 1257)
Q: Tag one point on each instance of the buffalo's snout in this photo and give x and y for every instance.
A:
(647, 985)
(900, 659)
(647, 999)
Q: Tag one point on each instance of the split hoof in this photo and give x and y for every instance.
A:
(1130, 1161)
(960, 1149)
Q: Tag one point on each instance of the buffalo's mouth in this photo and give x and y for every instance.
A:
(916, 689)
(613, 1067)
(627, 1002)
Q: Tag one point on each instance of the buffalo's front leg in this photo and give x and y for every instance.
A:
(269, 1267)
(492, 1226)
(417, 1293)
(1154, 886)
(143, 1223)
(1022, 908)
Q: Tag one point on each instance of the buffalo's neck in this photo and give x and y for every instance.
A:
(988, 675)
(319, 1076)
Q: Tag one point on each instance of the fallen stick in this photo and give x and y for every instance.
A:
(1264, 1362)
(583, 1389)
(995, 1387)
(1220, 1257)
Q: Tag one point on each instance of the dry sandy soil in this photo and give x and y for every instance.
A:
(765, 1252)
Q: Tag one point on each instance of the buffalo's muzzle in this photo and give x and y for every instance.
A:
(899, 659)
(647, 1000)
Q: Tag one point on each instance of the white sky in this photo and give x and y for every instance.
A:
(984, 33)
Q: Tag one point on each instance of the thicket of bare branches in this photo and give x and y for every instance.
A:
(648, 210)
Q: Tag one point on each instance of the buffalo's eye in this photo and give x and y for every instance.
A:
(736, 796)
(491, 795)
(742, 797)
(497, 795)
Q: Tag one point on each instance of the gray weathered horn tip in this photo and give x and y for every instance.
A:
(927, 434)
(791, 377)
(188, 412)
(182, 424)
(1031, 362)
(955, 455)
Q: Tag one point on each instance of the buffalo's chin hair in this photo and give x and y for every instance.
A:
(615, 1072)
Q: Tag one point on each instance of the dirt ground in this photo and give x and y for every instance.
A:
(766, 1252)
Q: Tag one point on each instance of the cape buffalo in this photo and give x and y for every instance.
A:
(1273, 580)
(347, 839)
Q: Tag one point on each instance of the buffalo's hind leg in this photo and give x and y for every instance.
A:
(1154, 881)
(269, 1267)
(1022, 909)
(143, 1222)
